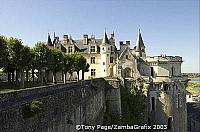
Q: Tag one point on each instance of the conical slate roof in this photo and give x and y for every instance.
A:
(49, 42)
(139, 42)
(105, 39)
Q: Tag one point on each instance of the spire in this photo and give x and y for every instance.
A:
(139, 42)
(54, 34)
(49, 42)
(105, 39)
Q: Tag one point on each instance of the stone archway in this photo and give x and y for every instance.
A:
(126, 72)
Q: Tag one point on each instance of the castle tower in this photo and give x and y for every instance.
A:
(105, 56)
(49, 42)
(140, 48)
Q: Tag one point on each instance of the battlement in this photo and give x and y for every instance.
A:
(164, 58)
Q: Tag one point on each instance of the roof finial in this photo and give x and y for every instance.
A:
(54, 34)
(139, 30)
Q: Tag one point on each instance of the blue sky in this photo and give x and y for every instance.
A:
(168, 26)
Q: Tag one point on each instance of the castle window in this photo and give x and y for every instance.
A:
(103, 48)
(152, 71)
(172, 71)
(69, 49)
(92, 49)
(93, 72)
(179, 100)
(92, 60)
(165, 87)
(103, 63)
(169, 124)
(126, 56)
(152, 103)
(111, 48)
(108, 48)
(111, 59)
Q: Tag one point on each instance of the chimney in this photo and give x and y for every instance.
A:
(112, 35)
(122, 46)
(85, 39)
(128, 43)
(65, 39)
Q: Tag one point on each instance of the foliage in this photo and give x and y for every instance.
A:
(42, 54)
(32, 108)
(133, 104)
(191, 88)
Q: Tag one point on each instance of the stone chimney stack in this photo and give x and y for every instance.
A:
(65, 39)
(85, 39)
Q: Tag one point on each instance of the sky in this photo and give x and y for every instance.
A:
(168, 27)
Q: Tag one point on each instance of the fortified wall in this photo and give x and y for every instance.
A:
(63, 107)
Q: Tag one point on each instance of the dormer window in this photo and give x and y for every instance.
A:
(126, 56)
(111, 48)
(70, 49)
(92, 49)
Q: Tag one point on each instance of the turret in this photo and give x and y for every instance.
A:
(105, 39)
(140, 48)
(49, 42)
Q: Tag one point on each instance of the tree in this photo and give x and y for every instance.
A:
(41, 58)
(85, 69)
(67, 66)
(19, 56)
(3, 51)
(55, 61)
(79, 63)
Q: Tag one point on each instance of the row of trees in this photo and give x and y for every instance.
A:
(15, 58)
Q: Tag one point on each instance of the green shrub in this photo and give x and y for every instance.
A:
(32, 108)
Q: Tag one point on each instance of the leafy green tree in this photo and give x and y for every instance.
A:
(5, 60)
(3, 51)
(42, 54)
(85, 69)
(55, 61)
(79, 63)
(68, 66)
(19, 56)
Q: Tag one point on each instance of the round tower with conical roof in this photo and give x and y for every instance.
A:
(105, 56)
(140, 48)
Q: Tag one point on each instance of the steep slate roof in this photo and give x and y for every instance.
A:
(127, 49)
(63, 49)
(85, 48)
(139, 42)
(49, 42)
(105, 39)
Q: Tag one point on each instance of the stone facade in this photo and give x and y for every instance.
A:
(165, 85)
(64, 106)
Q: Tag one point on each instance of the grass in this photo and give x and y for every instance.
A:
(12, 86)
(191, 86)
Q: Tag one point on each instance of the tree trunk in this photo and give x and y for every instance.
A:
(41, 77)
(22, 78)
(27, 75)
(17, 75)
(13, 75)
(77, 75)
(9, 77)
(54, 78)
(33, 75)
(64, 77)
(83, 75)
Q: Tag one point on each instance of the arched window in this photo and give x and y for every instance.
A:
(172, 71)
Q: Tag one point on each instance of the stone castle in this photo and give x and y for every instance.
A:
(164, 83)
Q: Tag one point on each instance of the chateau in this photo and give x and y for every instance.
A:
(164, 83)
